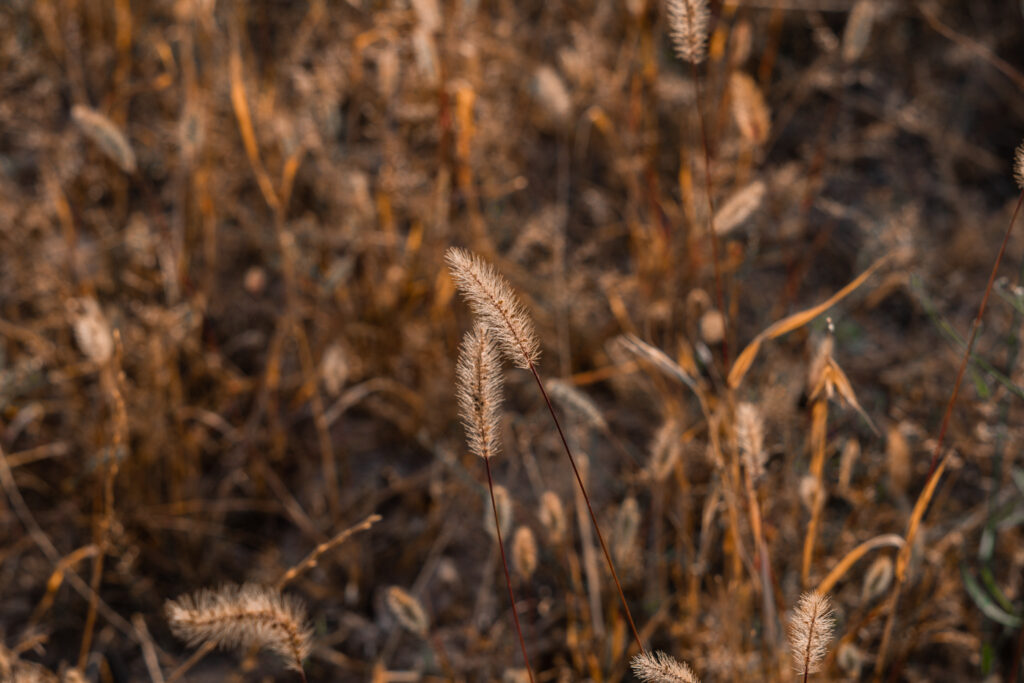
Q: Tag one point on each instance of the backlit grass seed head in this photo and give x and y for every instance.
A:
(524, 552)
(243, 616)
(739, 207)
(408, 611)
(552, 516)
(92, 332)
(810, 632)
(750, 437)
(858, 30)
(688, 27)
(496, 306)
(752, 116)
(479, 383)
(658, 667)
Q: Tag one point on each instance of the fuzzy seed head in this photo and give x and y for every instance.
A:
(408, 611)
(479, 382)
(750, 437)
(552, 516)
(658, 667)
(752, 116)
(739, 207)
(524, 552)
(243, 616)
(688, 27)
(92, 332)
(810, 631)
(496, 306)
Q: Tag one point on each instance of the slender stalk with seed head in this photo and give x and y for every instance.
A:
(934, 470)
(688, 28)
(810, 632)
(241, 617)
(658, 667)
(479, 381)
(498, 308)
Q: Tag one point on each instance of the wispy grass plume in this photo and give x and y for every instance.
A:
(810, 631)
(688, 27)
(499, 309)
(479, 382)
(243, 616)
(658, 667)
(496, 306)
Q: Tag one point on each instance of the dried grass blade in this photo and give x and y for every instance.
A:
(793, 322)
(245, 127)
(851, 558)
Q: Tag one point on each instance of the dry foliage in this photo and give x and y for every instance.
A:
(237, 241)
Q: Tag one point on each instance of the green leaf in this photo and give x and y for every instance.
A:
(985, 603)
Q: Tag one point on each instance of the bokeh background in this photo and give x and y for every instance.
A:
(227, 331)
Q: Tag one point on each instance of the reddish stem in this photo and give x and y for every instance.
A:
(504, 565)
(590, 509)
(712, 237)
(971, 337)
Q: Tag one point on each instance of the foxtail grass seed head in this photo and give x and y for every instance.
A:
(658, 667)
(739, 207)
(1018, 165)
(408, 611)
(524, 552)
(493, 302)
(479, 383)
(811, 492)
(73, 675)
(552, 516)
(243, 616)
(334, 369)
(92, 332)
(858, 30)
(750, 437)
(810, 632)
(688, 27)
(752, 116)
(712, 326)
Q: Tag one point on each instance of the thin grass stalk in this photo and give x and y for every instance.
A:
(762, 559)
(590, 509)
(971, 337)
(819, 421)
(936, 469)
(504, 566)
(712, 237)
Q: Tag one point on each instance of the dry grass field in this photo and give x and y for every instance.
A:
(286, 289)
